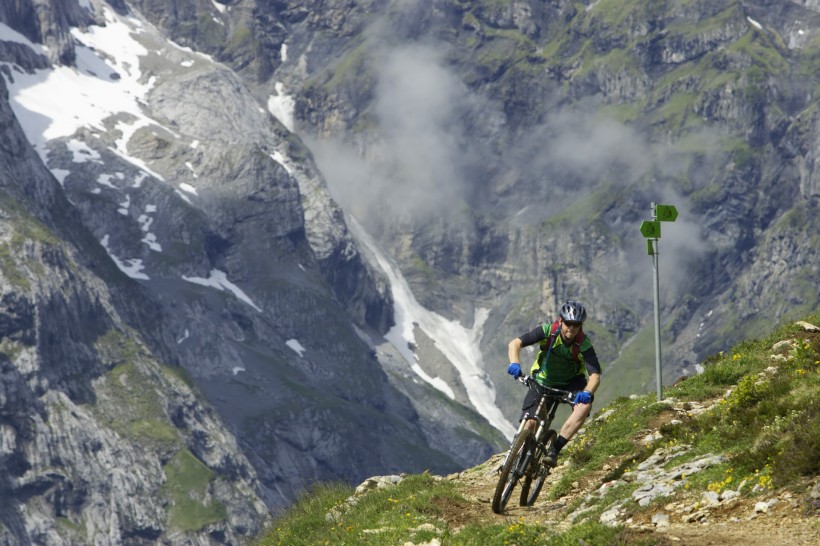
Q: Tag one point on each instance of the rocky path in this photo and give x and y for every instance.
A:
(780, 519)
(661, 506)
(785, 517)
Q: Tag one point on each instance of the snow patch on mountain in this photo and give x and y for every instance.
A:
(8, 34)
(95, 89)
(133, 267)
(107, 82)
(219, 280)
(457, 343)
(282, 106)
(296, 346)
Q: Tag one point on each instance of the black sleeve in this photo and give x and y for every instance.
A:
(591, 361)
(534, 336)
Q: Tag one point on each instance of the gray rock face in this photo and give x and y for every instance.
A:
(182, 300)
(92, 425)
(700, 105)
(504, 153)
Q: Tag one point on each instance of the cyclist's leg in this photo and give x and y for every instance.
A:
(576, 419)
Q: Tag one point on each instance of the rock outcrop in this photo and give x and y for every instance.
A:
(99, 431)
(185, 341)
(518, 174)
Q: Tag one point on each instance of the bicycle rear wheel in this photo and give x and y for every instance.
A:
(513, 469)
(534, 481)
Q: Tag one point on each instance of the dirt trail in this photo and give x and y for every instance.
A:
(792, 519)
(789, 516)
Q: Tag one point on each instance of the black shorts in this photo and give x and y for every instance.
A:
(578, 383)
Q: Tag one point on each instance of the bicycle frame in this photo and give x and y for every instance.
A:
(524, 460)
(544, 411)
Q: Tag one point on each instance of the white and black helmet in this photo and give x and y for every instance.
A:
(573, 311)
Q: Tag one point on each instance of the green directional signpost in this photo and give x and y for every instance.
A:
(666, 213)
(651, 229)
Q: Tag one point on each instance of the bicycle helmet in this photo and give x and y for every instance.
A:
(573, 311)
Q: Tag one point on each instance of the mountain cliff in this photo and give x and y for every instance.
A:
(186, 311)
(328, 219)
(96, 416)
(507, 152)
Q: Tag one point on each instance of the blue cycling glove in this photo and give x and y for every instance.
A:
(514, 370)
(583, 397)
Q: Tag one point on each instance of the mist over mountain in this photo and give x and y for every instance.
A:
(263, 244)
(552, 130)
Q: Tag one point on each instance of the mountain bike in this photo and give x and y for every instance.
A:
(525, 460)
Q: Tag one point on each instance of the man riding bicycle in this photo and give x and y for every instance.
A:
(565, 351)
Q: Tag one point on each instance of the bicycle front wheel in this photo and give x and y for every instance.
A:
(534, 481)
(514, 468)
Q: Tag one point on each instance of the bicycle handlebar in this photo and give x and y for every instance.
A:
(565, 396)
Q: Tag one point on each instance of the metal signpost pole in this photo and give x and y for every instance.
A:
(656, 286)
(651, 229)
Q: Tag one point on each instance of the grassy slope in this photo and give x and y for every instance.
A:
(764, 417)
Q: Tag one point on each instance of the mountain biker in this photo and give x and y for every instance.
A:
(558, 367)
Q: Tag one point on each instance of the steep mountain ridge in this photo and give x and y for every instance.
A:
(591, 111)
(72, 333)
(503, 154)
(589, 115)
(187, 204)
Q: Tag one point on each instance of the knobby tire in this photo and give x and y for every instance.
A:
(512, 471)
(537, 472)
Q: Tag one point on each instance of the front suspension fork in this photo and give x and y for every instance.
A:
(539, 431)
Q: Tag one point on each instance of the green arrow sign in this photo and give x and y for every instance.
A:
(650, 229)
(666, 213)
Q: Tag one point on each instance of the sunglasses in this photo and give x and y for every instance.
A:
(572, 324)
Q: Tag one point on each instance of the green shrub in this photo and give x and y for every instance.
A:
(187, 486)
